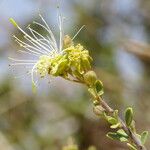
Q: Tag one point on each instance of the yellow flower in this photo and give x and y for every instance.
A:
(50, 58)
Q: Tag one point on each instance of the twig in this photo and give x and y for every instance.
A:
(128, 131)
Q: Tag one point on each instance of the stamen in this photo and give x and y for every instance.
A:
(22, 75)
(61, 34)
(15, 64)
(22, 51)
(43, 38)
(31, 39)
(50, 32)
(51, 39)
(20, 60)
(78, 32)
(39, 49)
(52, 45)
(32, 73)
(25, 45)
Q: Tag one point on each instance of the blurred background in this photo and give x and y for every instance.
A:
(117, 34)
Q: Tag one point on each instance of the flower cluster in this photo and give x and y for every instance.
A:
(74, 61)
(66, 59)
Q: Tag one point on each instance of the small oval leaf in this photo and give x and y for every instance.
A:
(99, 87)
(129, 116)
(113, 136)
(131, 147)
(144, 136)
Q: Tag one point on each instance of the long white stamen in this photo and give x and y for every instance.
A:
(21, 60)
(51, 44)
(15, 64)
(60, 33)
(53, 41)
(32, 72)
(43, 38)
(28, 49)
(78, 32)
(32, 49)
(31, 39)
(26, 46)
(50, 32)
(26, 52)
(37, 48)
(22, 75)
(40, 35)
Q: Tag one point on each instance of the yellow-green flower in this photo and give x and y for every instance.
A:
(65, 59)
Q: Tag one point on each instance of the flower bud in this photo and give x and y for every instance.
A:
(90, 78)
(67, 42)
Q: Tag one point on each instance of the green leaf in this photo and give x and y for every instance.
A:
(115, 126)
(99, 87)
(131, 146)
(129, 116)
(132, 126)
(139, 136)
(117, 136)
(115, 114)
(122, 133)
(101, 92)
(123, 139)
(113, 136)
(111, 120)
(144, 136)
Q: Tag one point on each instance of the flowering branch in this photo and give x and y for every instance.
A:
(133, 138)
(73, 62)
(126, 131)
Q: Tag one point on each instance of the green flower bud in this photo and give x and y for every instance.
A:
(67, 42)
(90, 78)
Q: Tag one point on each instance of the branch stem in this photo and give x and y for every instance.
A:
(133, 138)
